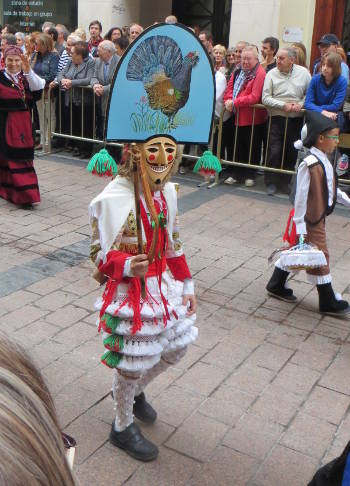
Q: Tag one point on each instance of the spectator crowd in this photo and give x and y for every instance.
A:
(273, 77)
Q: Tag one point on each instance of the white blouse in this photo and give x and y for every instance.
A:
(35, 82)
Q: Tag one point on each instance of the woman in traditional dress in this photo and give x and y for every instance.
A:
(18, 85)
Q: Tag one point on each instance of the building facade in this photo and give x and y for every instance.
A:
(229, 20)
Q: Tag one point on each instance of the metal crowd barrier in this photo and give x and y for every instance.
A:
(344, 143)
(58, 130)
(217, 126)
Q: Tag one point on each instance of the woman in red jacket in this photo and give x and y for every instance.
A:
(244, 90)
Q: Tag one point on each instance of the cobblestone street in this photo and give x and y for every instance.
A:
(261, 399)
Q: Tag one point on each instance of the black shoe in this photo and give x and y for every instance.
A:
(27, 206)
(133, 443)
(328, 304)
(276, 286)
(143, 410)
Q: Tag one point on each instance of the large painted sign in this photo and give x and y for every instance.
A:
(164, 85)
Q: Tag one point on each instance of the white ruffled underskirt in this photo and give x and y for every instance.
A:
(319, 279)
(297, 258)
(142, 350)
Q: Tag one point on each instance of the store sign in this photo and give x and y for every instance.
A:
(292, 34)
(29, 15)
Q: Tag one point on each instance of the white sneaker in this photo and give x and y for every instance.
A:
(230, 181)
(249, 183)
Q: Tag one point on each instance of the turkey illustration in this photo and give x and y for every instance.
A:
(166, 76)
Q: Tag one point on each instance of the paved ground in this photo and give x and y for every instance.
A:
(261, 399)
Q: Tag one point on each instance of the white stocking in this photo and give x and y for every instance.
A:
(167, 359)
(123, 393)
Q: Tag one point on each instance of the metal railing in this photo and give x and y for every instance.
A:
(344, 143)
(87, 91)
(58, 130)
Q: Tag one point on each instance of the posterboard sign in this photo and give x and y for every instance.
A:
(164, 85)
(29, 15)
(292, 34)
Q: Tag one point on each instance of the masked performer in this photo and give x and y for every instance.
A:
(141, 341)
(18, 85)
(148, 309)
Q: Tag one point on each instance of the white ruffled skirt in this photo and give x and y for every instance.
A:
(142, 350)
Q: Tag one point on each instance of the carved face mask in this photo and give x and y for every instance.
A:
(159, 156)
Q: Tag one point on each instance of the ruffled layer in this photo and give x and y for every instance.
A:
(296, 258)
(183, 340)
(143, 349)
(138, 363)
(133, 347)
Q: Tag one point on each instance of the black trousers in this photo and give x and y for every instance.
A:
(227, 139)
(275, 148)
(248, 145)
(77, 130)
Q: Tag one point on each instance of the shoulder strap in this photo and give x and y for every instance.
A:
(311, 160)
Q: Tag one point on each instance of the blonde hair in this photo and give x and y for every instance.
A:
(80, 32)
(300, 51)
(220, 48)
(32, 449)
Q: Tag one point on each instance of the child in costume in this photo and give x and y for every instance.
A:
(315, 198)
(141, 340)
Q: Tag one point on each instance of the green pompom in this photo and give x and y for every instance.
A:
(114, 343)
(111, 359)
(103, 164)
(109, 323)
(208, 164)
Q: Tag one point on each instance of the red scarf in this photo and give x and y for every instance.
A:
(94, 43)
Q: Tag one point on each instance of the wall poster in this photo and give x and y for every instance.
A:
(29, 15)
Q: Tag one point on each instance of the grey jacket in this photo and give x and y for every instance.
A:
(98, 77)
(81, 76)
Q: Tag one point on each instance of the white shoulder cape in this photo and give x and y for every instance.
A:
(113, 205)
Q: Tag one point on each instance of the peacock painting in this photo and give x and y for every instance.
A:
(166, 75)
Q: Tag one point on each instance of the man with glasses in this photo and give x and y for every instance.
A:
(329, 43)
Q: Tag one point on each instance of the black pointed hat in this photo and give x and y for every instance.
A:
(316, 124)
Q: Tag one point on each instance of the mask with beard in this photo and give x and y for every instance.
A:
(158, 157)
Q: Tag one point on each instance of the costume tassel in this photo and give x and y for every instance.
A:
(111, 359)
(109, 323)
(103, 164)
(290, 235)
(114, 343)
(207, 165)
(134, 299)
